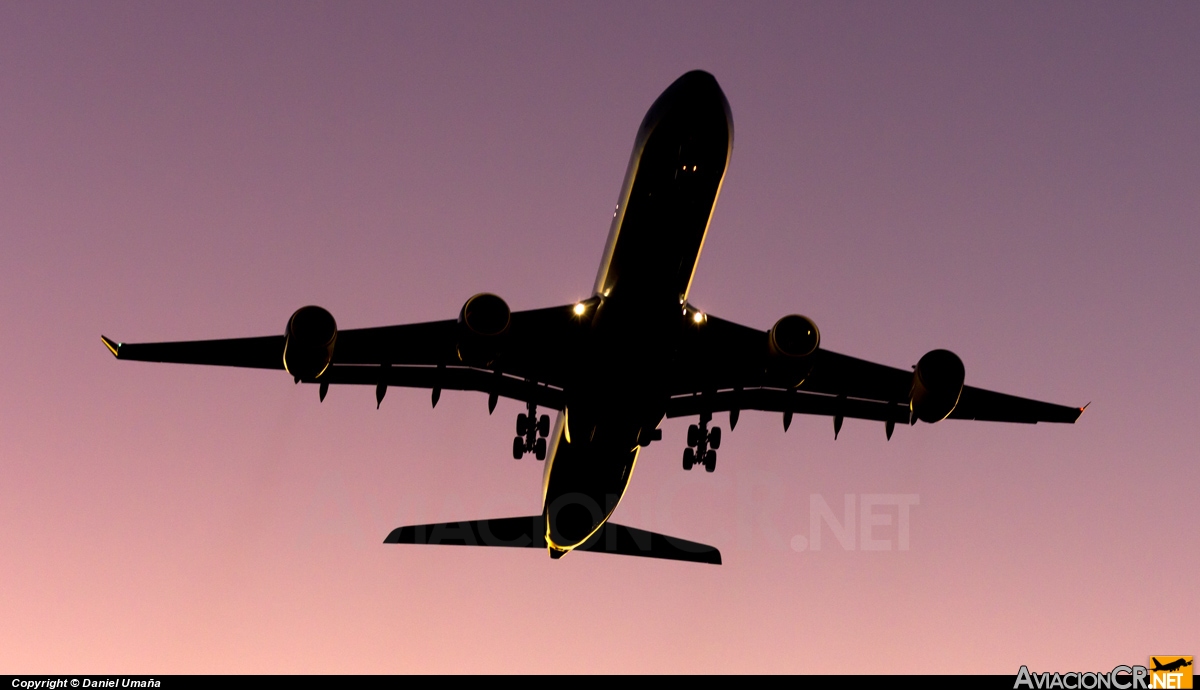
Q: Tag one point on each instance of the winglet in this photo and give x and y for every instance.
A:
(114, 348)
(1078, 412)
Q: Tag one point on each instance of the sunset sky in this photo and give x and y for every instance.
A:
(1016, 182)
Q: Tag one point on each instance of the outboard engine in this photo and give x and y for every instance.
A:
(791, 343)
(937, 385)
(310, 337)
(482, 324)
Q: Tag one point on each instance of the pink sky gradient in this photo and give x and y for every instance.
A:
(1019, 183)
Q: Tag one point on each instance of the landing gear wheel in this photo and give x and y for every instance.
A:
(539, 449)
(689, 458)
(518, 448)
(693, 436)
(710, 461)
(543, 426)
(714, 438)
(522, 424)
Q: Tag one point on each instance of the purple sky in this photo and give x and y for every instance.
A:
(1019, 183)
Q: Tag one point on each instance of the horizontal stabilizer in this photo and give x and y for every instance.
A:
(529, 532)
(521, 532)
(630, 541)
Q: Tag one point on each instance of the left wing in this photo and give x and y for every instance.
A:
(532, 365)
(727, 367)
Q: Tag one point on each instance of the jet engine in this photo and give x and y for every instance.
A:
(937, 385)
(794, 337)
(482, 324)
(310, 337)
(791, 343)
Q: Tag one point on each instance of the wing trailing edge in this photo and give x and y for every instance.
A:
(974, 403)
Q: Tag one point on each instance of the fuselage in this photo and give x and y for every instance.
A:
(658, 229)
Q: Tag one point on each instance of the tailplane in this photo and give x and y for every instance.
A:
(530, 532)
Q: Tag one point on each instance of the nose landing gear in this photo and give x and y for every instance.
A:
(702, 445)
(532, 431)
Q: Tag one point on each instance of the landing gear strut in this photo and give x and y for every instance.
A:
(702, 444)
(531, 434)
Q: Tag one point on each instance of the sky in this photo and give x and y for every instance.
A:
(1016, 182)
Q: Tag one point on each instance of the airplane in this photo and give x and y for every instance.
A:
(618, 363)
(1179, 663)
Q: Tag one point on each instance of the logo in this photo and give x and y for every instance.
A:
(1170, 672)
(1164, 672)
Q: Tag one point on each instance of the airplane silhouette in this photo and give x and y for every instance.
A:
(618, 363)
(1173, 666)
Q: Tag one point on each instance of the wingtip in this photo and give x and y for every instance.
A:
(1081, 411)
(113, 347)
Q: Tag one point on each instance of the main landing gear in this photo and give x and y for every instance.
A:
(702, 445)
(532, 431)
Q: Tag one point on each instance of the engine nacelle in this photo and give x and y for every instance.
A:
(482, 324)
(308, 347)
(794, 337)
(937, 385)
(791, 343)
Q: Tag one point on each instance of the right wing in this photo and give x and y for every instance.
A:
(257, 353)
(533, 366)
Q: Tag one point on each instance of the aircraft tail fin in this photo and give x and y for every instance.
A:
(529, 532)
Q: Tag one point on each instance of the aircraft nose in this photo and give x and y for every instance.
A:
(694, 89)
(694, 98)
(697, 80)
